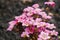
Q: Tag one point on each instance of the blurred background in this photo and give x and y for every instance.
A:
(11, 8)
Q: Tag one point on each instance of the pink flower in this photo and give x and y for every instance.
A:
(50, 26)
(46, 3)
(37, 11)
(11, 25)
(47, 31)
(33, 23)
(38, 20)
(29, 14)
(30, 30)
(39, 24)
(25, 23)
(42, 24)
(40, 29)
(35, 5)
(31, 20)
(50, 3)
(54, 33)
(28, 9)
(44, 36)
(41, 13)
(43, 16)
(21, 18)
(25, 34)
(39, 39)
(12, 22)
(49, 17)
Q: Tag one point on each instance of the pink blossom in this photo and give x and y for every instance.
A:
(40, 29)
(39, 39)
(53, 26)
(50, 26)
(42, 24)
(29, 14)
(39, 24)
(21, 18)
(28, 9)
(25, 23)
(33, 23)
(37, 10)
(44, 36)
(30, 30)
(17, 17)
(43, 14)
(35, 5)
(46, 3)
(47, 31)
(11, 25)
(12, 22)
(49, 17)
(54, 33)
(50, 3)
(38, 20)
(28, 21)
(25, 34)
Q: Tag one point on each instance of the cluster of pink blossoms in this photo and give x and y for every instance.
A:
(52, 4)
(35, 20)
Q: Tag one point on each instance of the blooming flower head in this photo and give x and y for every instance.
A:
(11, 25)
(21, 18)
(39, 39)
(54, 33)
(50, 3)
(50, 26)
(38, 20)
(49, 17)
(35, 5)
(44, 35)
(37, 10)
(47, 31)
(10, 28)
(40, 29)
(33, 21)
(25, 34)
(28, 9)
(40, 24)
(12, 22)
(30, 30)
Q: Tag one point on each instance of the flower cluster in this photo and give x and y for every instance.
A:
(52, 4)
(36, 22)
